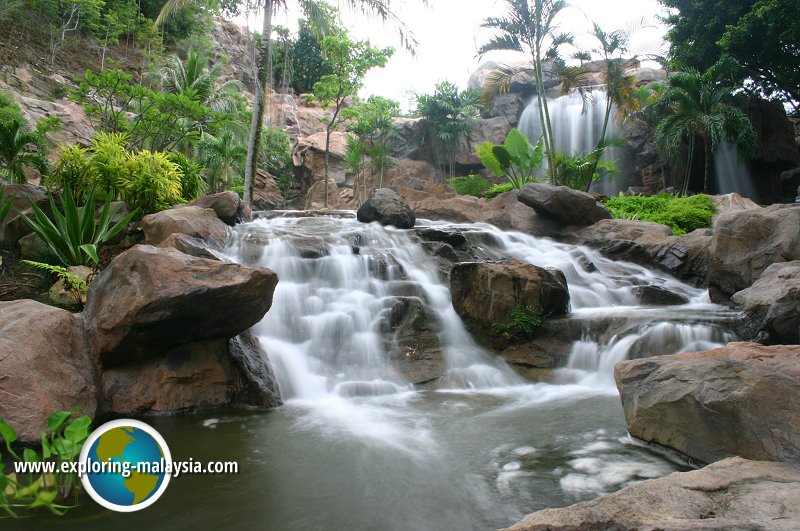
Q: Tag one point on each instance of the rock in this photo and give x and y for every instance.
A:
(685, 257)
(458, 209)
(387, 208)
(485, 293)
(414, 347)
(150, 300)
(563, 204)
(31, 247)
(234, 42)
(197, 222)
(266, 194)
(492, 130)
(509, 107)
(658, 296)
(315, 199)
(66, 298)
(45, 366)
(734, 494)
(732, 203)
(194, 375)
(192, 247)
(309, 155)
(641, 232)
(506, 212)
(772, 305)
(227, 206)
(746, 243)
(417, 175)
(718, 403)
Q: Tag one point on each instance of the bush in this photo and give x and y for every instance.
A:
(192, 183)
(153, 182)
(473, 185)
(498, 189)
(682, 214)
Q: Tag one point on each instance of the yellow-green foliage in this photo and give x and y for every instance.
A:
(682, 214)
(152, 183)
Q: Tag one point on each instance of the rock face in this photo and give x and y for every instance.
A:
(746, 243)
(226, 205)
(195, 221)
(315, 200)
(150, 300)
(732, 494)
(45, 366)
(414, 348)
(772, 305)
(485, 293)
(742, 399)
(309, 155)
(266, 194)
(387, 208)
(461, 208)
(13, 227)
(562, 204)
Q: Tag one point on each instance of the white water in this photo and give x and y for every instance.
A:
(337, 281)
(731, 174)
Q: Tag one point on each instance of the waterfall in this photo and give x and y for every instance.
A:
(325, 333)
(731, 174)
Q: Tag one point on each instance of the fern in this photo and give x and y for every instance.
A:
(75, 285)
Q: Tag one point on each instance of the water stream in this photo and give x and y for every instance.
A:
(358, 447)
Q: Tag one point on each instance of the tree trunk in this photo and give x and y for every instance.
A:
(544, 114)
(709, 161)
(259, 100)
(328, 131)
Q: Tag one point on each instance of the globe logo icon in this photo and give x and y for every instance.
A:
(125, 464)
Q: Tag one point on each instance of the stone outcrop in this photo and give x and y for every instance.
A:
(387, 208)
(45, 366)
(267, 195)
(195, 221)
(742, 399)
(13, 228)
(731, 494)
(459, 209)
(228, 207)
(746, 243)
(309, 157)
(562, 204)
(315, 199)
(772, 305)
(485, 293)
(413, 345)
(150, 300)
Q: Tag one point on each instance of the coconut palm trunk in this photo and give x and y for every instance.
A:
(259, 102)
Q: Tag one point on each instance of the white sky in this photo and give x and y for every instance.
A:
(449, 32)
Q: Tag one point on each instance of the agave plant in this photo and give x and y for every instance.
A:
(73, 236)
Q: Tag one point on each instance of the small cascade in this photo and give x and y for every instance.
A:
(731, 174)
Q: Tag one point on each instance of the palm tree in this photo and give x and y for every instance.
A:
(223, 158)
(20, 149)
(314, 12)
(695, 105)
(528, 27)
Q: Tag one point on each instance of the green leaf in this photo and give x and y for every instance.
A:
(518, 146)
(8, 433)
(29, 456)
(57, 419)
(78, 429)
(91, 250)
(488, 159)
(503, 157)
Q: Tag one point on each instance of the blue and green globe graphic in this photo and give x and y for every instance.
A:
(124, 461)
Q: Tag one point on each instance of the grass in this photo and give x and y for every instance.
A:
(682, 214)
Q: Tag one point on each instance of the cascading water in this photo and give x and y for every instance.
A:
(358, 447)
(732, 174)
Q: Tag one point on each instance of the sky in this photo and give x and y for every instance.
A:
(449, 33)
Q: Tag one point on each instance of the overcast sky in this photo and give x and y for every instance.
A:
(449, 32)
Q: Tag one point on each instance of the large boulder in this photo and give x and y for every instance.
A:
(731, 494)
(45, 366)
(193, 375)
(151, 300)
(228, 207)
(746, 243)
(195, 221)
(413, 344)
(685, 257)
(458, 209)
(562, 204)
(266, 194)
(387, 208)
(506, 212)
(718, 403)
(772, 305)
(485, 293)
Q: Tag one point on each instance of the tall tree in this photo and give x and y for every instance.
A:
(349, 61)
(311, 9)
(696, 105)
(529, 27)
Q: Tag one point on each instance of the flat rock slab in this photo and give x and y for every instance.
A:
(565, 205)
(734, 494)
(742, 399)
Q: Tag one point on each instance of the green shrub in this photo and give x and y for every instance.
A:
(498, 189)
(73, 170)
(74, 237)
(62, 440)
(524, 321)
(473, 185)
(682, 214)
(192, 183)
(108, 161)
(152, 183)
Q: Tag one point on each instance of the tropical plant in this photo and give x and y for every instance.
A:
(349, 61)
(153, 182)
(192, 183)
(498, 189)
(450, 115)
(73, 170)
(20, 149)
(473, 185)
(682, 214)
(515, 159)
(696, 105)
(372, 122)
(579, 171)
(223, 157)
(528, 27)
(6, 202)
(73, 237)
(523, 322)
(276, 153)
(109, 158)
(62, 440)
(75, 285)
